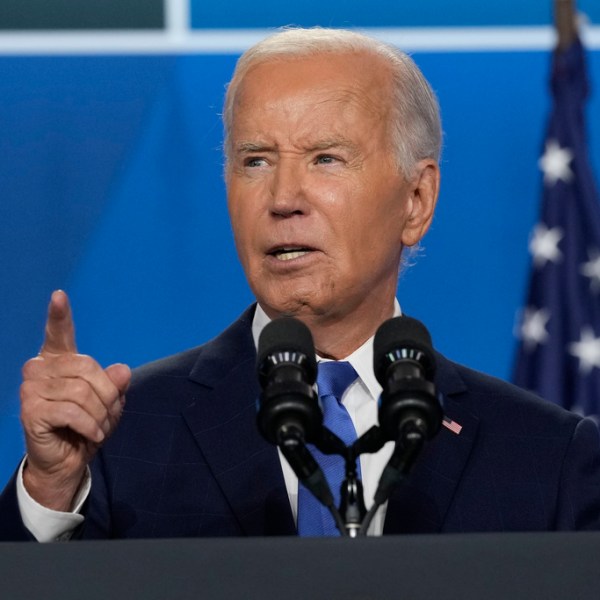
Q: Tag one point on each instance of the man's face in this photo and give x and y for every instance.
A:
(319, 209)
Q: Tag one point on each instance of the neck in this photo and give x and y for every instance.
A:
(338, 336)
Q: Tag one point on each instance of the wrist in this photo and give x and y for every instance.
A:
(55, 491)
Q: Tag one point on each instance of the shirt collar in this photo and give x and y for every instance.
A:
(361, 359)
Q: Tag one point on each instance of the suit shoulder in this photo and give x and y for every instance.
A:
(237, 337)
(496, 398)
(176, 376)
(179, 364)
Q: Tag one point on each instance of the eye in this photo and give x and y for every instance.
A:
(325, 159)
(254, 161)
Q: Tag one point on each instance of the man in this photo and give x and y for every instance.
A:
(332, 143)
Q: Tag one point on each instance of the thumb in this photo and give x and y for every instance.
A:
(120, 375)
(60, 330)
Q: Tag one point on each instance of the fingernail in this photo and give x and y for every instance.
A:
(117, 408)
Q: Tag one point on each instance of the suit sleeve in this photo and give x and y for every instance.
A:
(12, 528)
(579, 493)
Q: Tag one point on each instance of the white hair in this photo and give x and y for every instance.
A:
(416, 128)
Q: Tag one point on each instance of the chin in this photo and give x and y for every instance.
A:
(286, 305)
(296, 297)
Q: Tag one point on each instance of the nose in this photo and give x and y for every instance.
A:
(287, 193)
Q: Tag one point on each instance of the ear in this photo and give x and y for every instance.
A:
(425, 187)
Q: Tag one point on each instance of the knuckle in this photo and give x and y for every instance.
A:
(70, 413)
(30, 409)
(31, 368)
(82, 364)
(79, 389)
(86, 363)
(25, 412)
(72, 365)
(28, 389)
(65, 361)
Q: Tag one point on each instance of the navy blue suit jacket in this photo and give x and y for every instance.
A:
(187, 458)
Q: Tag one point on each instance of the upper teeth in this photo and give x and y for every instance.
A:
(286, 254)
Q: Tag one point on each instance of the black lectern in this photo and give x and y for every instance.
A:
(434, 567)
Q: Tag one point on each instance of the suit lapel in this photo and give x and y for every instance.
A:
(420, 504)
(223, 422)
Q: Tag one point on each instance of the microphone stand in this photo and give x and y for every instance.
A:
(352, 502)
(292, 446)
(352, 505)
(352, 518)
(352, 509)
(408, 447)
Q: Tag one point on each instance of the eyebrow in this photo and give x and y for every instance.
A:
(247, 147)
(251, 147)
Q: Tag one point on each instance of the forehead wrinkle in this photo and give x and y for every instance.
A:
(357, 93)
(376, 107)
(365, 99)
(326, 143)
(333, 135)
(332, 142)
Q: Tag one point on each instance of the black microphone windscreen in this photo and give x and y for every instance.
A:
(287, 334)
(397, 333)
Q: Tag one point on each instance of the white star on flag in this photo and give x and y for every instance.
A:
(591, 269)
(587, 350)
(555, 163)
(544, 244)
(533, 328)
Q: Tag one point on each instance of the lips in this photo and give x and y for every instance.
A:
(285, 253)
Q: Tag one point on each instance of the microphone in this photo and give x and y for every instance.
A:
(287, 371)
(289, 414)
(404, 365)
(409, 411)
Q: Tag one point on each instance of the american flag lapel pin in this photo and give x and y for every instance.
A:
(453, 426)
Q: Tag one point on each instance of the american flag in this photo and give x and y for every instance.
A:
(559, 330)
(453, 426)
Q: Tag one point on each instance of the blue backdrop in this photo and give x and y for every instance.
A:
(112, 189)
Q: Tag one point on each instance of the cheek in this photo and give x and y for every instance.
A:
(244, 207)
(377, 214)
(374, 236)
(241, 232)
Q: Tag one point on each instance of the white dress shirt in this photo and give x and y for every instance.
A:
(360, 400)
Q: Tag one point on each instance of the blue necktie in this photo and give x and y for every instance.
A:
(333, 379)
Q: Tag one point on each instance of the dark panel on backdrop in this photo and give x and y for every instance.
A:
(78, 14)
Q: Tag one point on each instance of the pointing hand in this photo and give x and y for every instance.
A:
(69, 406)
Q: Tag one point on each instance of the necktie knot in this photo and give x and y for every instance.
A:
(334, 378)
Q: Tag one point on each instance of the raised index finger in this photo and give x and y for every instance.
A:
(60, 330)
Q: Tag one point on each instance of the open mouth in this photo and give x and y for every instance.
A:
(290, 253)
